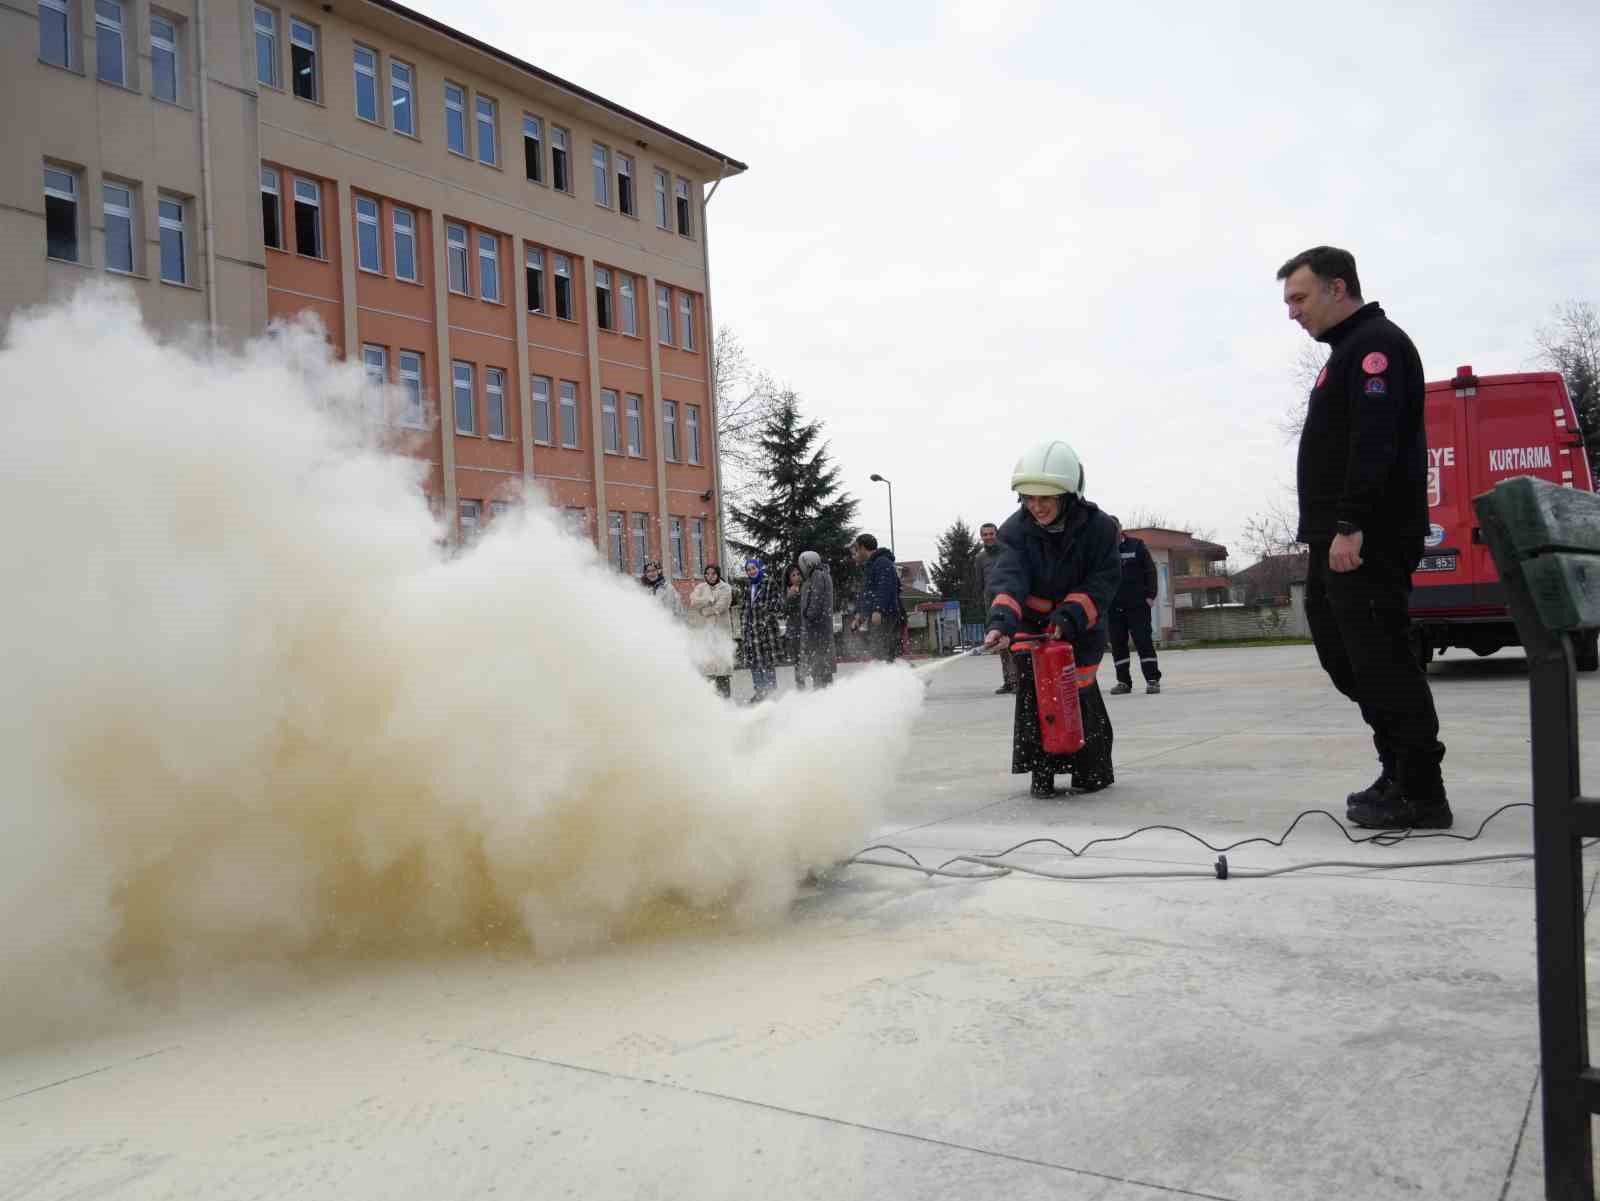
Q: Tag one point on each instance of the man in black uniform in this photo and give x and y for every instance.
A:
(1130, 613)
(1364, 512)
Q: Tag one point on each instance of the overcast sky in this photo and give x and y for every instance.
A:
(974, 224)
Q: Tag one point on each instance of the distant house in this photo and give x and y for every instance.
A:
(1272, 580)
(914, 577)
(1185, 578)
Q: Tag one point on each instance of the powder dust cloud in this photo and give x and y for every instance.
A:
(253, 713)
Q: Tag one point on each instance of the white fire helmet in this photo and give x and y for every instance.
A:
(1048, 469)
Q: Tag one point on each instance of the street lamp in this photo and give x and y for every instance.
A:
(878, 479)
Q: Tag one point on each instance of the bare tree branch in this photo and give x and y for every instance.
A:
(746, 397)
(1308, 363)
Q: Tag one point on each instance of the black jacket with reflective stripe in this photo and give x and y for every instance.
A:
(1076, 557)
(1138, 573)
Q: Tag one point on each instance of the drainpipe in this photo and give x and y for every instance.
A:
(206, 206)
(711, 366)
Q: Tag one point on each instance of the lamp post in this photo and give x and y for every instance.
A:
(878, 479)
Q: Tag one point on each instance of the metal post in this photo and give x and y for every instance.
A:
(881, 480)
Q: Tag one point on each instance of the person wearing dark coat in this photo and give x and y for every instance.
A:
(878, 601)
(794, 579)
(758, 627)
(818, 659)
(985, 560)
(1057, 574)
(1130, 614)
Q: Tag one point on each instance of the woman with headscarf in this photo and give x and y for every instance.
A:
(818, 659)
(709, 604)
(656, 584)
(762, 606)
(1057, 573)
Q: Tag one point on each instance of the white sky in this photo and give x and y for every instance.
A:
(972, 224)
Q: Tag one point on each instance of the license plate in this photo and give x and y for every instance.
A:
(1437, 563)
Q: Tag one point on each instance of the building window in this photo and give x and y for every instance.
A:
(494, 387)
(669, 426)
(118, 201)
(401, 98)
(677, 548)
(410, 374)
(569, 414)
(697, 545)
(111, 63)
(541, 409)
(174, 254)
(369, 243)
(684, 225)
(466, 402)
(455, 118)
(563, 287)
(686, 319)
(610, 436)
(163, 58)
(267, 47)
(61, 214)
(366, 84)
(533, 148)
(559, 175)
(271, 209)
(641, 539)
(629, 311)
(303, 59)
(308, 218)
(535, 271)
(619, 546)
(499, 508)
(405, 244)
(602, 297)
(489, 266)
(602, 175)
(455, 240)
(664, 315)
(691, 431)
(376, 361)
(636, 426)
(663, 209)
(488, 132)
(577, 521)
(470, 514)
(55, 36)
(625, 199)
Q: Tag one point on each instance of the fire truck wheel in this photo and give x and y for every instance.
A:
(1586, 650)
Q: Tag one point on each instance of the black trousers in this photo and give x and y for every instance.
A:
(883, 640)
(1089, 767)
(1360, 626)
(1135, 620)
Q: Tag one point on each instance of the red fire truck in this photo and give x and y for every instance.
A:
(1481, 430)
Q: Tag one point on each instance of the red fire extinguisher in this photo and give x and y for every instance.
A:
(1055, 686)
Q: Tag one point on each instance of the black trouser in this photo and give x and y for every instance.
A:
(1361, 629)
(883, 639)
(1133, 619)
(1090, 767)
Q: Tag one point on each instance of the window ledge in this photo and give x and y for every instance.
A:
(458, 153)
(402, 133)
(309, 100)
(177, 104)
(50, 258)
(370, 271)
(178, 283)
(400, 279)
(120, 274)
(371, 122)
(67, 67)
(467, 434)
(315, 258)
(121, 87)
(500, 438)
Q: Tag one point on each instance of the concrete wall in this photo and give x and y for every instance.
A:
(1223, 623)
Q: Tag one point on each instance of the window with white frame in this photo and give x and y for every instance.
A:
(697, 544)
(173, 216)
(677, 548)
(271, 208)
(55, 33)
(563, 270)
(610, 435)
(663, 204)
(641, 539)
(560, 176)
(405, 244)
(541, 410)
(308, 218)
(494, 392)
(409, 371)
(366, 65)
(499, 508)
(489, 266)
(627, 310)
(61, 213)
(267, 47)
(534, 267)
(691, 431)
(533, 147)
(466, 402)
(669, 429)
(569, 414)
(619, 545)
(402, 97)
(455, 118)
(636, 425)
(577, 520)
(303, 60)
(663, 315)
(602, 175)
(488, 131)
(117, 200)
(375, 359)
(111, 60)
(602, 298)
(163, 58)
(625, 198)
(685, 216)
(686, 319)
(369, 242)
(455, 241)
(470, 515)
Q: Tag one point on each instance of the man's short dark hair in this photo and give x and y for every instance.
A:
(1327, 263)
(988, 525)
(866, 542)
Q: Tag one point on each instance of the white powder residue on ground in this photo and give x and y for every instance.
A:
(252, 713)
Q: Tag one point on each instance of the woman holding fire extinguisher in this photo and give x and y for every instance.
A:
(1058, 570)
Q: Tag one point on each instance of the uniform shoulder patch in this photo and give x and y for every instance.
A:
(1376, 386)
(1375, 363)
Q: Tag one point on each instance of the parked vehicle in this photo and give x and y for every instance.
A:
(1482, 430)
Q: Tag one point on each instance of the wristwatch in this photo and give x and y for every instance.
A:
(1347, 528)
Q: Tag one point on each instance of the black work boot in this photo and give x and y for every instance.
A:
(1153, 687)
(1044, 785)
(1393, 809)
(1123, 688)
(1372, 792)
(1005, 688)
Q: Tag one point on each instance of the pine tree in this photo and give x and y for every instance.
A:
(797, 504)
(955, 575)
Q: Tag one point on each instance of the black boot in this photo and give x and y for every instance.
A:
(1044, 785)
(1394, 810)
(1374, 791)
